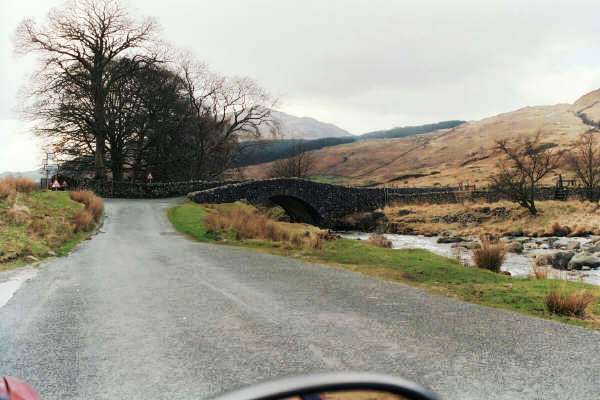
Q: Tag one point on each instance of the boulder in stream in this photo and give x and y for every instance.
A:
(451, 239)
(583, 260)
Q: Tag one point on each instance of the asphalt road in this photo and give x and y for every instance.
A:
(140, 312)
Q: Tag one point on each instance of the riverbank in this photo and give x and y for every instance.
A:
(555, 218)
(421, 268)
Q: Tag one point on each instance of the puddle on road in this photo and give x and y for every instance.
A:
(11, 281)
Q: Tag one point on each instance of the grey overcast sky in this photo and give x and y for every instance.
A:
(360, 64)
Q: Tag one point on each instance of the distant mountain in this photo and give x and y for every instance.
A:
(264, 151)
(34, 175)
(405, 131)
(465, 153)
(292, 127)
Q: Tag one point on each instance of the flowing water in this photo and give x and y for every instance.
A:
(519, 265)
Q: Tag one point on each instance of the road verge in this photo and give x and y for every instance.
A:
(439, 275)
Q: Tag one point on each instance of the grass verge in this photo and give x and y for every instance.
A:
(418, 268)
(43, 229)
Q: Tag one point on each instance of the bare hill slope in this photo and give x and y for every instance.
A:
(462, 154)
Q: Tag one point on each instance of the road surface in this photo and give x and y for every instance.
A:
(140, 312)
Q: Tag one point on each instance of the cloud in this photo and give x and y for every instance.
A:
(375, 64)
(19, 149)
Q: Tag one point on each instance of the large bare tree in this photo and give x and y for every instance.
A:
(79, 46)
(526, 162)
(584, 160)
(223, 112)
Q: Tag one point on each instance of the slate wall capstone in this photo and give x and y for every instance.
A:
(127, 190)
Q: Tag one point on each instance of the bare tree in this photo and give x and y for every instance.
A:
(584, 160)
(300, 165)
(526, 163)
(79, 46)
(223, 112)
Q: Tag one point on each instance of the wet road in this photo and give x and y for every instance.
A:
(140, 312)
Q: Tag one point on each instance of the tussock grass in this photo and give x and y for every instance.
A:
(418, 268)
(93, 204)
(19, 215)
(570, 303)
(83, 221)
(5, 189)
(556, 229)
(20, 185)
(379, 241)
(490, 255)
(565, 218)
(248, 223)
(25, 185)
(540, 272)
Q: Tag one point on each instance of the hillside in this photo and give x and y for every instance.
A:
(292, 127)
(405, 131)
(264, 151)
(462, 154)
(33, 175)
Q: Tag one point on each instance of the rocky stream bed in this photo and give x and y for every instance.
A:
(565, 258)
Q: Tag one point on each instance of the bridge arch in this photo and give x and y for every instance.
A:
(297, 209)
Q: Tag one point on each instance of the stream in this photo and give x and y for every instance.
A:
(519, 265)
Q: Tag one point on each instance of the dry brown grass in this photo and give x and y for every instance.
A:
(5, 190)
(556, 229)
(19, 215)
(576, 218)
(83, 220)
(540, 272)
(490, 256)
(573, 304)
(248, 223)
(379, 241)
(96, 207)
(20, 185)
(25, 185)
(81, 196)
(93, 203)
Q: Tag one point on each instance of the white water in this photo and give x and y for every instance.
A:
(517, 264)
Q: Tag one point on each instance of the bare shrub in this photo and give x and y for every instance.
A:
(490, 255)
(526, 163)
(379, 241)
(300, 165)
(84, 221)
(574, 304)
(584, 160)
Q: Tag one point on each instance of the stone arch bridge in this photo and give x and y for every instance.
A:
(304, 201)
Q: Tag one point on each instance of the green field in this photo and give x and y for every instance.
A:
(419, 268)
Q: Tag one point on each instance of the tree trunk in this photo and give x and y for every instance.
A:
(99, 156)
